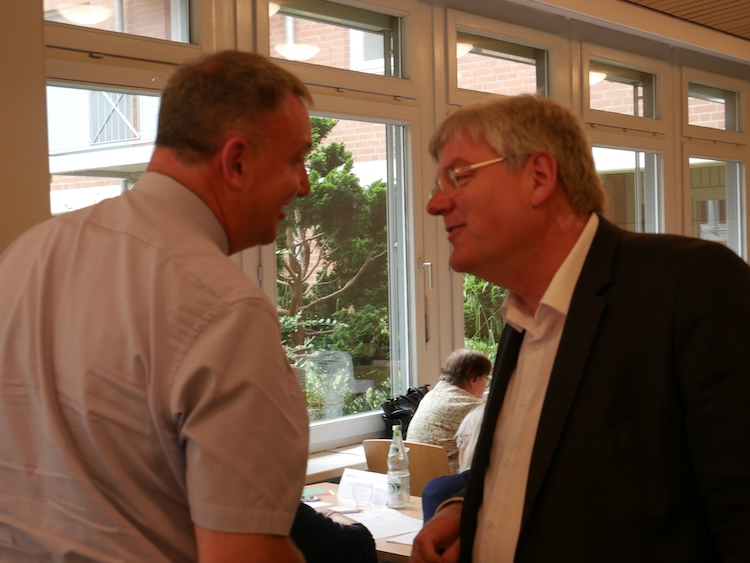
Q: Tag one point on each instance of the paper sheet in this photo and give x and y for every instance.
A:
(386, 522)
(379, 484)
(406, 539)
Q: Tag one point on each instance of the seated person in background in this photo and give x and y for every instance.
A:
(463, 381)
(440, 489)
(323, 540)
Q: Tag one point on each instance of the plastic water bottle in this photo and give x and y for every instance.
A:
(398, 472)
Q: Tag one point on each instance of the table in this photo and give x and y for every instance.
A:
(391, 552)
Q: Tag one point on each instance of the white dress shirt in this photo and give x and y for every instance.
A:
(505, 482)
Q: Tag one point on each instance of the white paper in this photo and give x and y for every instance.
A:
(379, 484)
(386, 522)
(406, 539)
(316, 504)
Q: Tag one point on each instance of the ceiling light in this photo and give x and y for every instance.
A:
(463, 48)
(273, 7)
(296, 51)
(84, 14)
(596, 77)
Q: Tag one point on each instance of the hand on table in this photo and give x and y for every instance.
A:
(438, 542)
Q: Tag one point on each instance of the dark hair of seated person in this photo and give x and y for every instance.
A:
(321, 540)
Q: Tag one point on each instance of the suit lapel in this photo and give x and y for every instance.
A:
(584, 315)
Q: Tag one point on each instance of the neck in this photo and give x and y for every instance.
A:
(200, 178)
(542, 260)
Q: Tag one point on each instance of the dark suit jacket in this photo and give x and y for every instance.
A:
(643, 447)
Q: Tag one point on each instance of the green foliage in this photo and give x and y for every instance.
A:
(332, 256)
(482, 321)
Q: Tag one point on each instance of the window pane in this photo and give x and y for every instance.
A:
(328, 34)
(631, 181)
(498, 67)
(713, 107)
(160, 19)
(340, 271)
(715, 201)
(483, 323)
(619, 89)
(99, 143)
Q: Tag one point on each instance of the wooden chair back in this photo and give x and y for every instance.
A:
(425, 461)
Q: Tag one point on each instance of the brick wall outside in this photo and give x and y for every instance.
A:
(75, 182)
(495, 76)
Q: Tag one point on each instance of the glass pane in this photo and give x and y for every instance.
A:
(713, 107)
(99, 143)
(631, 180)
(715, 196)
(498, 67)
(160, 19)
(341, 291)
(328, 34)
(619, 89)
(483, 323)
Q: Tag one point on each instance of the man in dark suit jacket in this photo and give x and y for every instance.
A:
(640, 447)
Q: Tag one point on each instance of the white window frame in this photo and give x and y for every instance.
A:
(723, 152)
(558, 67)
(695, 76)
(336, 78)
(211, 26)
(662, 73)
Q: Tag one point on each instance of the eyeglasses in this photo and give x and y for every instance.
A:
(460, 439)
(454, 173)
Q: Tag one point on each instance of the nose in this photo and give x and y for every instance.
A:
(439, 203)
(304, 182)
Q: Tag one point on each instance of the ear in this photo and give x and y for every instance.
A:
(544, 174)
(235, 161)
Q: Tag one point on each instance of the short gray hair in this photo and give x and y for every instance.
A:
(516, 127)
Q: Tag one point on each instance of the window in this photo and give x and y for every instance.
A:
(713, 107)
(500, 67)
(99, 143)
(716, 201)
(622, 90)
(334, 35)
(160, 19)
(486, 57)
(341, 264)
(631, 180)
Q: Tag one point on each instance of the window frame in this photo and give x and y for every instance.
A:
(209, 22)
(336, 78)
(695, 76)
(703, 149)
(663, 89)
(556, 47)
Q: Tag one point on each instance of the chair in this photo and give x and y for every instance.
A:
(425, 461)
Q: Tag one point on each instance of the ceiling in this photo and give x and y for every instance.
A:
(729, 16)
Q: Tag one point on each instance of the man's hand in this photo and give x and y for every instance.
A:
(438, 542)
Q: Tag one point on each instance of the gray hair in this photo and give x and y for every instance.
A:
(226, 91)
(516, 127)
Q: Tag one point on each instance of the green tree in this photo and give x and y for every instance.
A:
(482, 320)
(331, 251)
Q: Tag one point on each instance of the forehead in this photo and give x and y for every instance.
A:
(461, 148)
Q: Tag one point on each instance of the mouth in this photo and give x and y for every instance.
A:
(452, 230)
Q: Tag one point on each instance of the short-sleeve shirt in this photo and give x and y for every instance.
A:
(143, 387)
